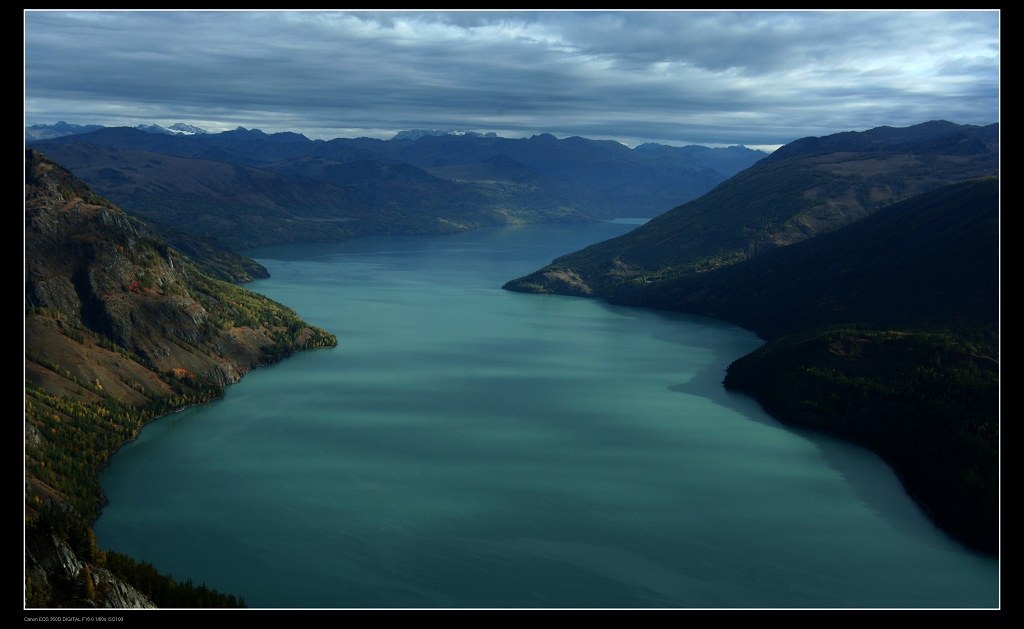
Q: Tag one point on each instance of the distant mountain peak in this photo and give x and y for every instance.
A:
(154, 128)
(415, 134)
(178, 128)
(929, 135)
(187, 129)
(48, 132)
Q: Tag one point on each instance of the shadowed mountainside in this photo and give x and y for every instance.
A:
(887, 333)
(883, 329)
(779, 201)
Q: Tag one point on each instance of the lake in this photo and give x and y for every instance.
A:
(465, 446)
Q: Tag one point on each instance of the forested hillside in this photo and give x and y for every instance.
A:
(779, 201)
(119, 329)
(882, 324)
(887, 333)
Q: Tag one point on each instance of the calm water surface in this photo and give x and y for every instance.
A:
(464, 446)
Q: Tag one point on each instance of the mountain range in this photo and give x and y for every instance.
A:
(250, 188)
(48, 131)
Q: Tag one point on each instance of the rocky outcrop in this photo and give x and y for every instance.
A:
(52, 566)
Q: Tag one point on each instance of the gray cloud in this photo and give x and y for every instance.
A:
(709, 77)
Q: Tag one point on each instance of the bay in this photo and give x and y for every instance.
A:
(465, 446)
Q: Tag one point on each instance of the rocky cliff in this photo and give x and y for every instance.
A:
(52, 563)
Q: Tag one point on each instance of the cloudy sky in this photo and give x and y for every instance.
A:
(677, 77)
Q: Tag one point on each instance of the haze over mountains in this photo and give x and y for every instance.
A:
(250, 188)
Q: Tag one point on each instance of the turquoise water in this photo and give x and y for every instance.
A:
(465, 446)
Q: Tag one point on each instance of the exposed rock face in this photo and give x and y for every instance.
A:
(99, 268)
(51, 565)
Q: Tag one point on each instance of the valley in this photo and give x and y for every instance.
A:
(249, 188)
(869, 262)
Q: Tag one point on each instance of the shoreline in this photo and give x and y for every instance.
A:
(925, 507)
(928, 509)
(142, 426)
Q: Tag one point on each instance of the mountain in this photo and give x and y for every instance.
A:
(593, 178)
(188, 129)
(281, 202)
(882, 324)
(628, 182)
(415, 134)
(939, 137)
(239, 204)
(726, 160)
(886, 332)
(154, 128)
(61, 129)
(120, 328)
(504, 176)
(778, 201)
(244, 146)
(48, 132)
(931, 261)
(210, 255)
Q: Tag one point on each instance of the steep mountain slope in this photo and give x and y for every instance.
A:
(119, 329)
(929, 261)
(210, 255)
(927, 402)
(884, 332)
(779, 201)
